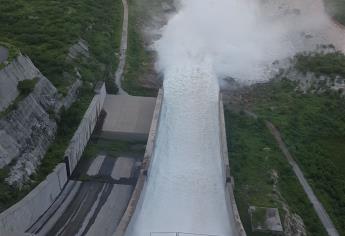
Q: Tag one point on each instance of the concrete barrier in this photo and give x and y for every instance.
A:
(82, 135)
(21, 216)
(226, 171)
(18, 218)
(121, 228)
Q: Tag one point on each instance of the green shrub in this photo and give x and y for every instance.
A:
(111, 87)
(330, 64)
(26, 86)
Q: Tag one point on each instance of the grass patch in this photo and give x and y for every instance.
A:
(26, 86)
(329, 64)
(113, 148)
(254, 156)
(139, 60)
(313, 127)
(109, 148)
(46, 29)
(336, 9)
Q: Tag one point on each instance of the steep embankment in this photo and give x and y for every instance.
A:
(26, 125)
(47, 30)
(70, 42)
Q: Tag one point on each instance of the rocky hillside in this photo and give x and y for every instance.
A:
(27, 124)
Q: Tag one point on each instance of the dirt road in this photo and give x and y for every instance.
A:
(320, 210)
(123, 49)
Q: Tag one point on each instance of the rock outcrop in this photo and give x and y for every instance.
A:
(308, 82)
(20, 69)
(27, 131)
(71, 96)
(78, 49)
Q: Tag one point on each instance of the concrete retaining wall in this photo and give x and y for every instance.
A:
(226, 172)
(19, 217)
(121, 228)
(82, 135)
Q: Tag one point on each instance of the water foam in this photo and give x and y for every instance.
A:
(185, 190)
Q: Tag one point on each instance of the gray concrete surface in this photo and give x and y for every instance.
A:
(49, 218)
(92, 207)
(95, 166)
(229, 185)
(3, 54)
(320, 210)
(112, 211)
(128, 117)
(93, 203)
(123, 49)
(121, 229)
(123, 168)
(81, 137)
(19, 217)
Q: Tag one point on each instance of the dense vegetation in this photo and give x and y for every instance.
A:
(140, 60)
(336, 9)
(313, 127)
(257, 165)
(26, 86)
(45, 30)
(329, 64)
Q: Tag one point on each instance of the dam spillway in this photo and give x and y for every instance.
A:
(185, 188)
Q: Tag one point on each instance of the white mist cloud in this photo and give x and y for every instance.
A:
(243, 37)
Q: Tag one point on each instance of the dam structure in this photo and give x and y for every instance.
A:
(180, 186)
(186, 190)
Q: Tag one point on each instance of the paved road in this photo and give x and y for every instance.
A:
(320, 210)
(123, 49)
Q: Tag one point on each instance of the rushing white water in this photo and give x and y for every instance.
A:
(205, 40)
(185, 189)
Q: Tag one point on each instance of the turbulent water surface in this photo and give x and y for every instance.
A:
(185, 191)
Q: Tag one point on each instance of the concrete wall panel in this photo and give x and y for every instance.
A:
(134, 201)
(61, 173)
(85, 129)
(19, 217)
(226, 171)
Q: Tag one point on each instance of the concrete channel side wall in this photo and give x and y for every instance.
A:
(81, 137)
(226, 172)
(121, 228)
(18, 218)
